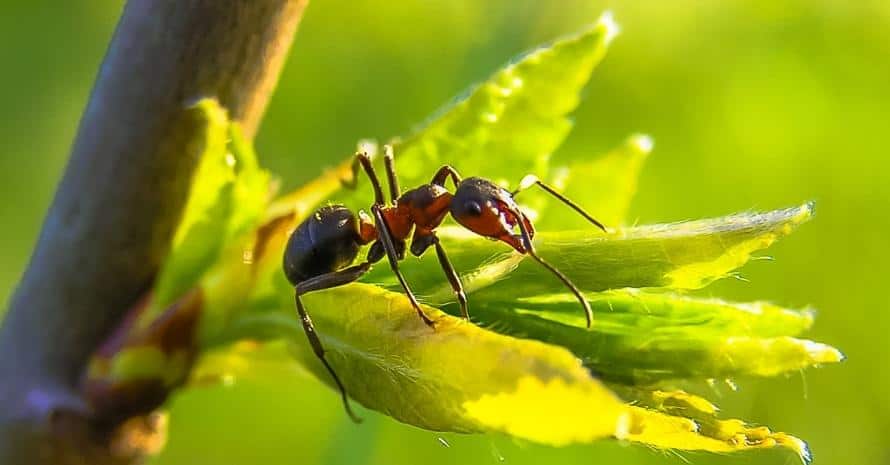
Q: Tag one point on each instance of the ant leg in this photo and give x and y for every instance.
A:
(363, 160)
(328, 280)
(444, 173)
(392, 255)
(389, 162)
(453, 278)
(532, 180)
(333, 279)
(309, 329)
(530, 249)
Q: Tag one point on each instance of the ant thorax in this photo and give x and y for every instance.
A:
(423, 207)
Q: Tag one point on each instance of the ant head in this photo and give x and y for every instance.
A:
(488, 210)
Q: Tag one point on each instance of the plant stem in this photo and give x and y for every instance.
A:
(123, 191)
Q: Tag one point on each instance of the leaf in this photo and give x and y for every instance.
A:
(246, 360)
(669, 315)
(679, 420)
(456, 377)
(379, 346)
(200, 234)
(509, 124)
(228, 194)
(686, 255)
(251, 187)
(213, 171)
(664, 431)
(228, 197)
(459, 377)
(641, 338)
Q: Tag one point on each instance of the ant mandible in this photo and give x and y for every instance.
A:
(321, 249)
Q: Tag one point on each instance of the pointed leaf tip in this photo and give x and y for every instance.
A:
(611, 27)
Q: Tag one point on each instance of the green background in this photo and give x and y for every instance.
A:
(755, 104)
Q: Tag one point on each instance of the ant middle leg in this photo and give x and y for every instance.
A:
(532, 180)
(326, 281)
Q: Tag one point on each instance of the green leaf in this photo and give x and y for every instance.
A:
(251, 186)
(509, 124)
(686, 255)
(228, 196)
(640, 338)
(201, 232)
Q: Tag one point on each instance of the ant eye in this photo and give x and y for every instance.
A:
(473, 208)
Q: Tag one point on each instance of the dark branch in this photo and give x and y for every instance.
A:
(115, 210)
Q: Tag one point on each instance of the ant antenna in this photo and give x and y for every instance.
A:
(532, 180)
(530, 249)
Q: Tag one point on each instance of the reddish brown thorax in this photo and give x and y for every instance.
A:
(422, 208)
(398, 219)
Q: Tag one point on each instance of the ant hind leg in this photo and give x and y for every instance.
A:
(363, 160)
(326, 281)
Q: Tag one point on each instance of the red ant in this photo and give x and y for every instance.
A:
(321, 249)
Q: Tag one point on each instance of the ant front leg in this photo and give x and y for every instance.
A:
(530, 250)
(393, 256)
(327, 281)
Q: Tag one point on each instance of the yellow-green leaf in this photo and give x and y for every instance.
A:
(201, 232)
(686, 255)
(228, 196)
(679, 420)
(459, 377)
(454, 377)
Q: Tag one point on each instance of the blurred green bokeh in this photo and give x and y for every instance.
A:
(751, 104)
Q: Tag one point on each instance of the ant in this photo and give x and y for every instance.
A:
(321, 249)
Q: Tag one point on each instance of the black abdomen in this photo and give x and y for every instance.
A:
(326, 241)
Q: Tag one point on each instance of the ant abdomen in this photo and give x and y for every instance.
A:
(326, 241)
